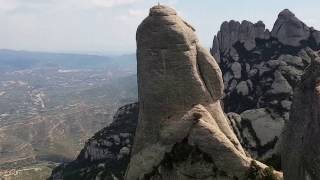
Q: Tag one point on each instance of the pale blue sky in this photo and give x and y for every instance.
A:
(108, 26)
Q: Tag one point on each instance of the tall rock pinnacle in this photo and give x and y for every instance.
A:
(174, 74)
(301, 147)
(182, 132)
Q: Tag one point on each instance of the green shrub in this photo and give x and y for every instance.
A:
(256, 173)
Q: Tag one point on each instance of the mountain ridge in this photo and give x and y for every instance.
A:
(19, 60)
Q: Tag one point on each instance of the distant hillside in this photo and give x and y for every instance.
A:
(19, 60)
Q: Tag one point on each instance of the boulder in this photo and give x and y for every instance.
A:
(236, 70)
(280, 85)
(242, 88)
(292, 60)
(286, 104)
(265, 125)
(259, 130)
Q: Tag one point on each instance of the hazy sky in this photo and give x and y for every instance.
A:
(108, 26)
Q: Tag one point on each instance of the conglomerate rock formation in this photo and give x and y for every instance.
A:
(300, 144)
(260, 70)
(182, 131)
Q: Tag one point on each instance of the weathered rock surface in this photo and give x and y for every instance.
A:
(263, 76)
(106, 154)
(174, 74)
(182, 131)
(301, 147)
(280, 85)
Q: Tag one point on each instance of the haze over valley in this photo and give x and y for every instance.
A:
(50, 104)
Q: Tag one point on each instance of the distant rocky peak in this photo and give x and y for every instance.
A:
(289, 30)
(286, 13)
(232, 32)
(288, 34)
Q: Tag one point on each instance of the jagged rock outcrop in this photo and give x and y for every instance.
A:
(182, 131)
(301, 147)
(232, 32)
(106, 154)
(261, 79)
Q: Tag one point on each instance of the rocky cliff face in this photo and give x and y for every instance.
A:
(106, 154)
(260, 70)
(300, 147)
(182, 131)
